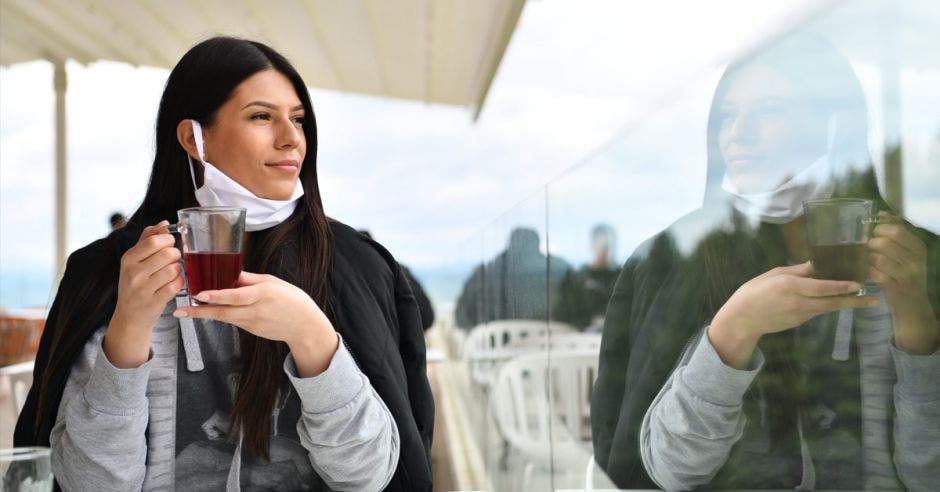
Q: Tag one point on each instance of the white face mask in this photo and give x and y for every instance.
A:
(785, 202)
(219, 190)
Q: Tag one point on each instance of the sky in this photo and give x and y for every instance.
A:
(423, 178)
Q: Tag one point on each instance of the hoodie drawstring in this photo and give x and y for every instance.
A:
(842, 345)
(190, 341)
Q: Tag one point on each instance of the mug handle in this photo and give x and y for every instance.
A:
(177, 228)
(872, 222)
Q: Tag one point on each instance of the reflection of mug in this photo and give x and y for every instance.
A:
(837, 231)
(25, 469)
(212, 246)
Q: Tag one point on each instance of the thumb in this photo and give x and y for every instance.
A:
(804, 269)
(248, 278)
(153, 229)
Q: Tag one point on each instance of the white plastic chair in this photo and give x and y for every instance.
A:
(564, 341)
(522, 391)
(490, 344)
(21, 378)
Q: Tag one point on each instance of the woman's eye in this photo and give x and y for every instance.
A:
(260, 116)
(769, 111)
(298, 120)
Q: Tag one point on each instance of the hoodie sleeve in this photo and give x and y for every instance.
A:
(349, 434)
(99, 438)
(697, 417)
(917, 419)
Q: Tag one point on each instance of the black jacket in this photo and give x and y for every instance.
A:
(670, 289)
(370, 304)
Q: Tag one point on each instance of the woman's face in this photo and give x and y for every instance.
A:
(257, 137)
(767, 133)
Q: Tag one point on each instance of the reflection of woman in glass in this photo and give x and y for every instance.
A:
(724, 364)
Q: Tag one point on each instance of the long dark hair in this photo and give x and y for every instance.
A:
(203, 80)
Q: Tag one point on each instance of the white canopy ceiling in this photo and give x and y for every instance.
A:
(436, 51)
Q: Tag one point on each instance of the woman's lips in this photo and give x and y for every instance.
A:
(286, 166)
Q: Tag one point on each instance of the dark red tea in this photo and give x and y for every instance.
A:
(211, 271)
(840, 261)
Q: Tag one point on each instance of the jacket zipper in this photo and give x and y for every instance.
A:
(353, 354)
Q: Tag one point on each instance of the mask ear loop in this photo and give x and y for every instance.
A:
(197, 135)
(832, 127)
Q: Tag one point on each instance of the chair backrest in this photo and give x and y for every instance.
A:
(573, 375)
(565, 342)
(489, 344)
(495, 335)
(522, 390)
(20, 377)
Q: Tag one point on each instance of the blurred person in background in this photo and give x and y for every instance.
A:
(117, 221)
(513, 285)
(724, 364)
(583, 295)
(424, 304)
(309, 375)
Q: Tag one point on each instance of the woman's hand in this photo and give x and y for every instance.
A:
(149, 279)
(778, 300)
(898, 264)
(271, 308)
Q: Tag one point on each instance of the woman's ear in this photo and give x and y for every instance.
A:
(184, 134)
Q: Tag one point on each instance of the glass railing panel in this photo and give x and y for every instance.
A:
(734, 352)
(599, 212)
(504, 349)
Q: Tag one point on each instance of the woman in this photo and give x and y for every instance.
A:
(724, 364)
(309, 375)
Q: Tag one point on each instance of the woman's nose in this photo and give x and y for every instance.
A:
(289, 135)
(743, 128)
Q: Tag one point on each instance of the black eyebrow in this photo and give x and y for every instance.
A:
(271, 106)
(775, 99)
(762, 100)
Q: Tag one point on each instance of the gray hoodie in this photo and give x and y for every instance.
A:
(165, 424)
(697, 418)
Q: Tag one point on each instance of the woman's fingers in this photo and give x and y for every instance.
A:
(826, 304)
(165, 275)
(226, 314)
(171, 288)
(152, 239)
(891, 248)
(240, 296)
(899, 235)
(165, 256)
(248, 278)
(804, 269)
(811, 287)
(883, 267)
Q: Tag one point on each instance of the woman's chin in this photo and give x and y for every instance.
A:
(750, 183)
(280, 193)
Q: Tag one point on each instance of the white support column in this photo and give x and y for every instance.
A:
(891, 108)
(61, 169)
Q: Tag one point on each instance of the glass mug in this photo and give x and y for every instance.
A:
(837, 231)
(212, 247)
(25, 470)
